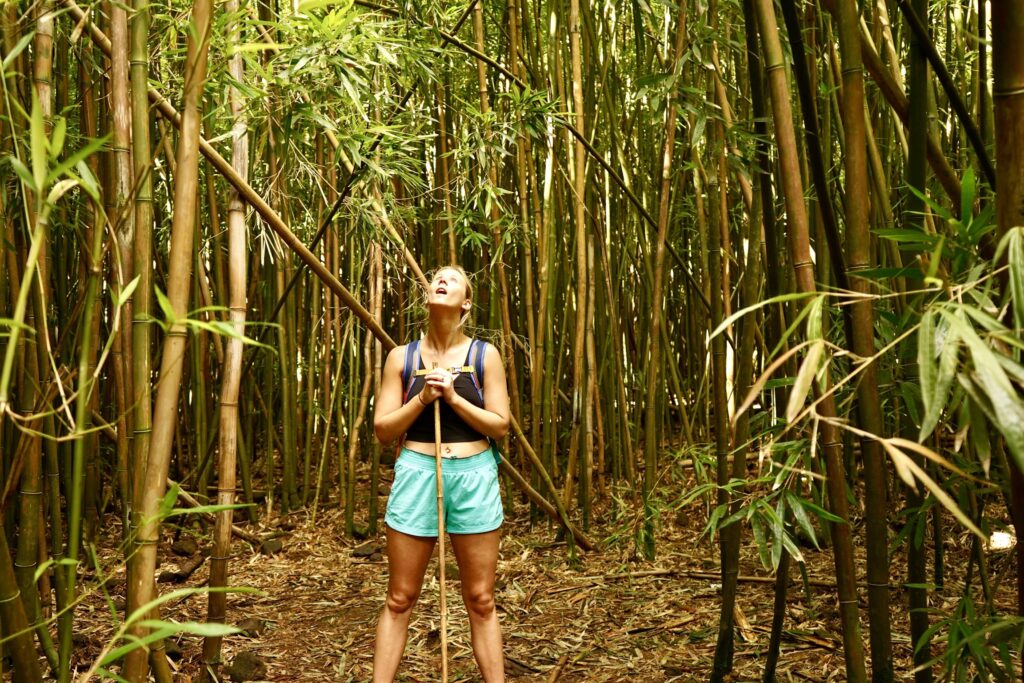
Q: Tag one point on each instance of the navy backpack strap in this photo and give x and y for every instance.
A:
(412, 361)
(477, 350)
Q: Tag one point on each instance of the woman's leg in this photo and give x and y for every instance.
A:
(477, 555)
(407, 561)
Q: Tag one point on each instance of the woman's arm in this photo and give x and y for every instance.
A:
(392, 418)
(491, 420)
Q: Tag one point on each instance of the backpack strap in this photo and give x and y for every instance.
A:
(412, 362)
(477, 350)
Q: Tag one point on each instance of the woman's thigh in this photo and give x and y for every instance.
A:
(477, 555)
(408, 557)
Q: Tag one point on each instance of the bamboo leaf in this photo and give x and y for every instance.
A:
(900, 462)
(761, 304)
(937, 208)
(977, 431)
(1013, 242)
(804, 379)
(59, 190)
(125, 294)
(165, 306)
(307, 5)
(135, 643)
(18, 49)
(936, 377)
(943, 498)
(23, 173)
(801, 517)
(79, 155)
(793, 550)
(756, 388)
(169, 499)
(967, 196)
(931, 455)
(257, 47)
(1007, 410)
(60, 129)
(206, 509)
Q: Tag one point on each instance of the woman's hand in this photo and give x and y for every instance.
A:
(439, 383)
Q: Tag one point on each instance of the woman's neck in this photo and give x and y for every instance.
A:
(443, 332)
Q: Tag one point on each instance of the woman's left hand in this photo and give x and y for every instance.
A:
(444, 381)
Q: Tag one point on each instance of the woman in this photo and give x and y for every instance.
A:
(470, 415)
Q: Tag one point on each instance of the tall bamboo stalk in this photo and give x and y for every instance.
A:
(651, 436)
(799, 248)
(858, 241)
(1008, 101)
(179, 282)
(231, 375)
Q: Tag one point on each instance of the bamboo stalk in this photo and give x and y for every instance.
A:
(179, 281)
(858, 241)
(651, 440)
(440, 536)
(799, 247)
(231, 377)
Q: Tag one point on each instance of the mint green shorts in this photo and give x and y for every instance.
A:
(472, 499)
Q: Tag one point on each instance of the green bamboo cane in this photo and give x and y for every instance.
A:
(186, 179)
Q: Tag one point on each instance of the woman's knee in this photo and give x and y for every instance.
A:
(479, 602)
(401, 601)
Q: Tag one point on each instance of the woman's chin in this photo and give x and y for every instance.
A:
(443, 307)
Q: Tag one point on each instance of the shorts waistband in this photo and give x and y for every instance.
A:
(426, 462)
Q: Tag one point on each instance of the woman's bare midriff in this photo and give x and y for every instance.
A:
(458, 450)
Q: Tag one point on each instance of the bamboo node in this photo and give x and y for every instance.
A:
(17, 594)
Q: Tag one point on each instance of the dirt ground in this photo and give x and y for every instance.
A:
(605, 617)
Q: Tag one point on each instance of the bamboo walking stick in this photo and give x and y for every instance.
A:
(440, 538)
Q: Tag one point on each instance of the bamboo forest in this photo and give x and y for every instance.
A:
(753, 269)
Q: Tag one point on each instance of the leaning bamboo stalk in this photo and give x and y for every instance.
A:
(232, 374)
(178, 287)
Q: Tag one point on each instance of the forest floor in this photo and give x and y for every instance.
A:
(605, 617)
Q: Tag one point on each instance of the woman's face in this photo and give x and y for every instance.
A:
(449, 288)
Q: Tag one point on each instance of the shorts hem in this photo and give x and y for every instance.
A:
(432, 533)
(484, 530)
(424, 533)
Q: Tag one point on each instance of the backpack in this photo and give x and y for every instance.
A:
(474, 367)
